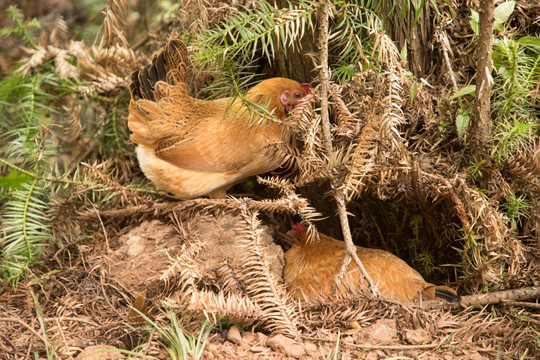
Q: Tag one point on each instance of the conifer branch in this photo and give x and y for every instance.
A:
(324, 78)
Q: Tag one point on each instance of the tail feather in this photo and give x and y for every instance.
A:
(441, 292)
(446, 294)
(172, 57)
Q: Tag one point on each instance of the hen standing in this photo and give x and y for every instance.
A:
(312, 267)
(193, 147)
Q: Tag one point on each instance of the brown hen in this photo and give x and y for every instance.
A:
(312, 267)
(192, 147)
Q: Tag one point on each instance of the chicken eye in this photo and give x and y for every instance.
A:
(297, 95)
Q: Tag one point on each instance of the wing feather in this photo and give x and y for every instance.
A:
(186, 132)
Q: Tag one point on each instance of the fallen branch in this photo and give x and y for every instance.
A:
(283, 205)
(22, 323)
(522, 304)
(499, 297)
(376, 347)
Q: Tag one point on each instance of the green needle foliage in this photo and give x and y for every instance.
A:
(25, 125)
(25, 232)
(24, 30)
(231, 48)
(516, 90)
(31, 147)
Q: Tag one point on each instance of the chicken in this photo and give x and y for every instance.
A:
(312, 267)
(192, 147)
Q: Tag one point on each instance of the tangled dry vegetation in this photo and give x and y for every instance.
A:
(401, 168)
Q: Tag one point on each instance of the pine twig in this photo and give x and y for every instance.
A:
(324, 78)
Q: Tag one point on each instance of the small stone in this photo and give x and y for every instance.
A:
(372, 355)
(286, 346)
(348, 340)
(100, 352)
(248, 340)
(261, 338)
(375, 355)
(382, 330)
(416, 336)
(234, 336)
(311, 348)
(474, 355)
(258, 349)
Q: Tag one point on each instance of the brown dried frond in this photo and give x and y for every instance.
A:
(59, 33)
(111, 182)
(291, 201)
(347, 124)
(195, 14)
(308, 153)
(229, 278)
(41, 54)
(502, 334)
(290, 204)
(388, 51)
(494, 247)
(80, 51)
(117, 58)
(183, 273)
(262, 287)
(394, 149)
(525, 166)
(282, 184)
(113, 25)
(237, 309)
(364, 309)
(53, 32)
(363, 160)
(74, 124)
(107, 68)
(37, 58)
(63, 67)
(104, 83)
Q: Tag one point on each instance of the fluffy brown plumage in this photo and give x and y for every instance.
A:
(193, 147)
(311, 269)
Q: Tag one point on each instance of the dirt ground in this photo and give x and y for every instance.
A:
(84, 310)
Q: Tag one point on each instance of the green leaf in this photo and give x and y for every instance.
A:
(503, 12)
(413, 90)
(529, 41)
(469, 89)
(462, 121)
(403, 54)
(13, 181)
(475, 18)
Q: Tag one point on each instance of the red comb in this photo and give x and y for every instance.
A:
(306, 87)
(298, 228)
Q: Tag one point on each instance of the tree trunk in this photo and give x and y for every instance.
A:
(481, 125)
(403, 30)
(297, 64)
